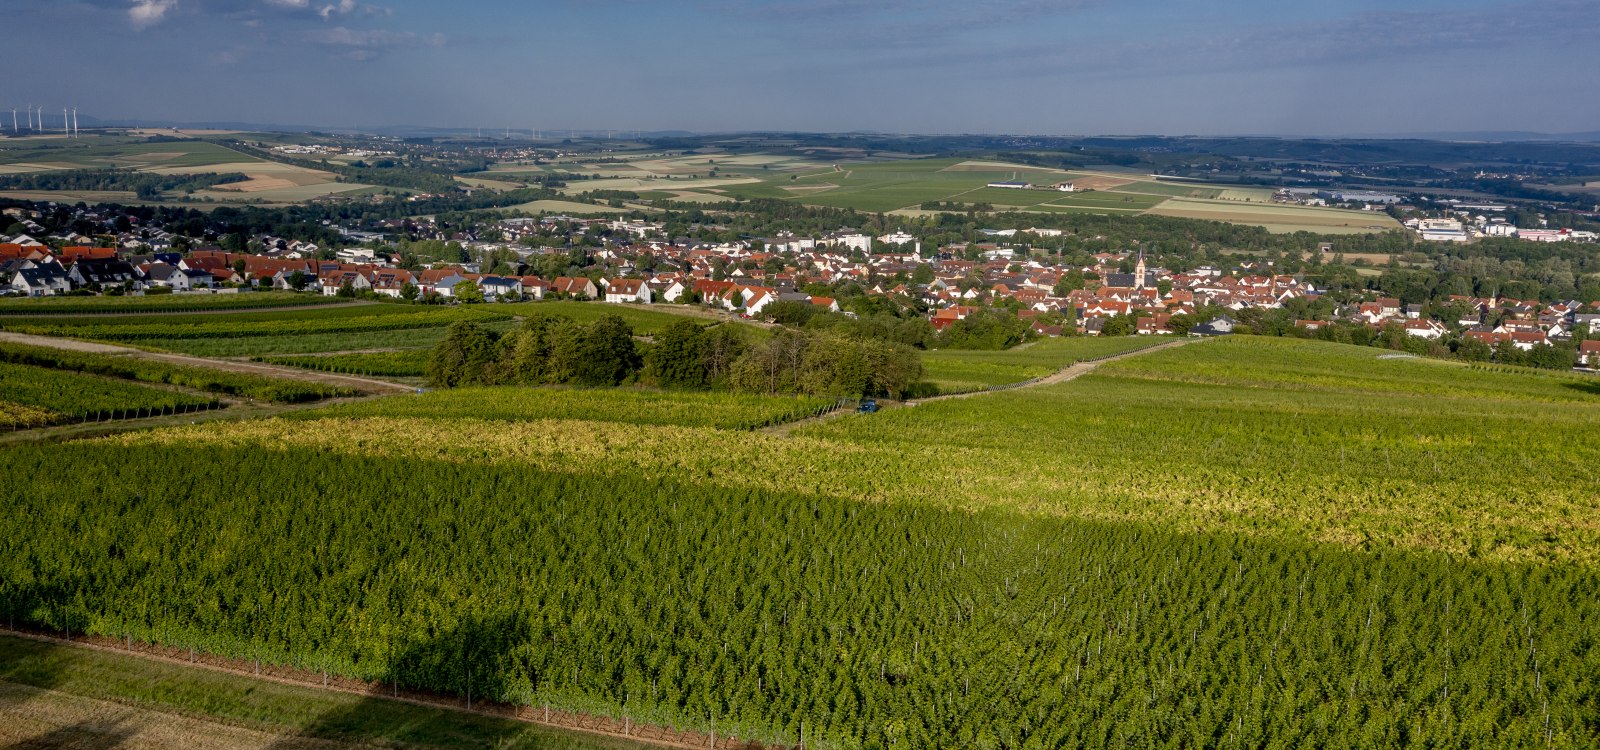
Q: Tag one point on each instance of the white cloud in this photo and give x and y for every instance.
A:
(148, 12)
(343, 7)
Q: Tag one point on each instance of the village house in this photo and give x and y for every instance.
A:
(628, 290)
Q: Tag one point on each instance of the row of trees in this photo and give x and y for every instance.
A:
(558, 350)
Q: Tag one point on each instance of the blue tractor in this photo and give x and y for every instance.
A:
(867, 406)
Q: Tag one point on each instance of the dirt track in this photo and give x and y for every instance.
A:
(366, 385)
(1070, 372)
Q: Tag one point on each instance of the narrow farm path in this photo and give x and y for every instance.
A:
(366, 385)
(1070, 372)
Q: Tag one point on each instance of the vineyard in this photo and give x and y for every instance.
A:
(372, 318)
(685, 603)
(407, 363)
(159, 303)
(49, 396)
(1247, 542)
(621, 406)
(258, 387)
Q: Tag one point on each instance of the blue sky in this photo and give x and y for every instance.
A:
(912, 66)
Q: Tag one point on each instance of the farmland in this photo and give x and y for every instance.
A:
(196, 378)
(722, 410)
(268, 181)
(404, 363)
(903, 185)
(70, 395)
(311, 321)
(1280, 218)
(1304, 536)
(159, 303)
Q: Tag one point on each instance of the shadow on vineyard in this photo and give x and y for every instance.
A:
(38, 670)
(1592, 387)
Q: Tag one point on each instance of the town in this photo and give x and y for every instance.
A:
(632, 262)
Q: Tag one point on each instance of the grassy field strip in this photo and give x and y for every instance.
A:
(98, 691)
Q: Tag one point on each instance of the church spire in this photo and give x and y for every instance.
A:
(1139, 271)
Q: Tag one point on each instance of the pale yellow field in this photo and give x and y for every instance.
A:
(990, 166)
(1259, 195)
(694, 197)
(564, 207)
(289, 193)
(257, 170)
(651, 183)
(1278, 218)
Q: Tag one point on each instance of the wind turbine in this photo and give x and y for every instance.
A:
(75, 132)
(13, 120)
(66, 129)
(30, 117)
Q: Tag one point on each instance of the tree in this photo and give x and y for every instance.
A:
(1474, 350)
(409, 291)
(1069, 282)
(467, 291)
(463, 357)
(1117, 325)
(678, 358)
(297, 280)
(607, 354)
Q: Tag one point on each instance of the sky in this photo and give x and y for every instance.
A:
(1041, 67)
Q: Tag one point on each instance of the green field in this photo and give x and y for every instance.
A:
(105, 152)
(959, 370)
(904, 185)
(1248, 541)
(269, 182)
